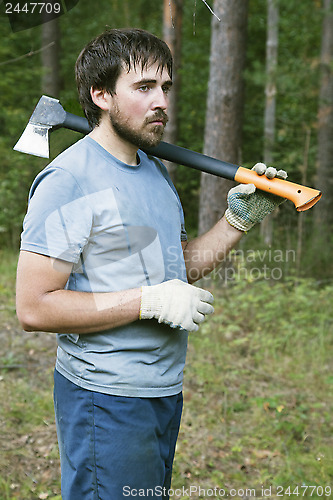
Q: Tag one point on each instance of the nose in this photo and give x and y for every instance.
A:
(161, 100)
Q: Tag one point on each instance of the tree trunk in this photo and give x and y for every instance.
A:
(50, 55)
(266, 227)
(324, 210)
(224, 114)
(172, 34)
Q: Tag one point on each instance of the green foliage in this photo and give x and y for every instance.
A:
(8, 263)
(297, 83)
(19, 92)
(297, 92)
(191, 118)
(194, 75)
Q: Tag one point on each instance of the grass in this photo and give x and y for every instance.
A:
(258, 391)
(257, 398)
(8, 262)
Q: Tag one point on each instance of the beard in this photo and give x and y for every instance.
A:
(147, 136)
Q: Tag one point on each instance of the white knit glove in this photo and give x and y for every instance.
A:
(247, 205)
(177, 304)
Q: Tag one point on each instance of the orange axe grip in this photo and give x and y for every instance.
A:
(303, 197)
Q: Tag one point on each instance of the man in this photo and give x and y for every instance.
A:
(105, 263)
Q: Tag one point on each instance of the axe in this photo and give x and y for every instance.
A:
(49, 115)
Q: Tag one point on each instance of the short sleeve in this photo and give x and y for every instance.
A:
(59, 219)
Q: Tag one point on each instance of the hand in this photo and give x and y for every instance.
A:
(247, 205)
(177, 304)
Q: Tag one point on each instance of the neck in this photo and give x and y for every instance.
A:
(124, 151)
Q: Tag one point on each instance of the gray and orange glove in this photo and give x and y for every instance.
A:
(178, 304)
(247, 205)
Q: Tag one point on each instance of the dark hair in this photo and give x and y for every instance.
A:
(101, 61)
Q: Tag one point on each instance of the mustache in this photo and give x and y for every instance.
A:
(158, 116)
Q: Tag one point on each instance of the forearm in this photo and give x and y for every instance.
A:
(206, 252)
(66, 311)
(44, 304)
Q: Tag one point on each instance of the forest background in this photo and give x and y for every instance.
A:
(41, 59)
(258, 390)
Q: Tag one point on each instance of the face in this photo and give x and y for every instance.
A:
(138, 108)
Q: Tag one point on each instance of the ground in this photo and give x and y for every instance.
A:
(29, 462)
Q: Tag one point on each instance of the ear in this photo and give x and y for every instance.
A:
(101, 98)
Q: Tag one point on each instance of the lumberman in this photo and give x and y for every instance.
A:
(105, 263)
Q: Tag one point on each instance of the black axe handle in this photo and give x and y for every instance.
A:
(74, 122)
(164, 150)
(303, 197)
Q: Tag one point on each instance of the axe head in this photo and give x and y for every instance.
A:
(47, 116)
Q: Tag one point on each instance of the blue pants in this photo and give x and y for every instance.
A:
(112, 447)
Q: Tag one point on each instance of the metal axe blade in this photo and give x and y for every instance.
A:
(34, 140)
(48, 115)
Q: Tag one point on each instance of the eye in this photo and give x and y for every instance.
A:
(166, 89)
(144, 88)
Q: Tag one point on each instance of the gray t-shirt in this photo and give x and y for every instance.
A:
(121, 226)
